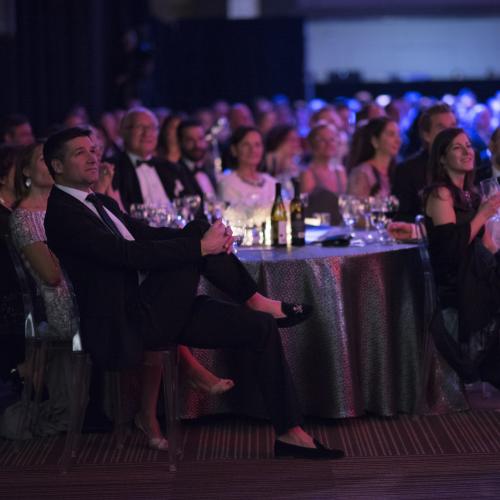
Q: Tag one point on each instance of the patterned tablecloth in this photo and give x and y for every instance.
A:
(360, 352)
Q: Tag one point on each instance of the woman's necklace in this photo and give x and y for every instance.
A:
(252, 182)
(468, 198)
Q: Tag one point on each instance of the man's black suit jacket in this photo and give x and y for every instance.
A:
(410, 178)
(103, 269)
(127, 182)
(188, 179)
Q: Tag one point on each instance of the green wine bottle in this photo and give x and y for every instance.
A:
(297, 217)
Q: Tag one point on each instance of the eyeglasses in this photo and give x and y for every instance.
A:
(144, 128)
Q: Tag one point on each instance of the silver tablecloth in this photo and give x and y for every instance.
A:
(360, 352)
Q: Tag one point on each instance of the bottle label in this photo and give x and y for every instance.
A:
(298, 228)
(278, 233)
(281, 232)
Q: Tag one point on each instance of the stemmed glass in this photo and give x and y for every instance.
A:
(192, 204)
(382, 210)
(489, 188)
(349, 207)
(238, 228)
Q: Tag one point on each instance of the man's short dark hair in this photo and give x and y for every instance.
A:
(54, 148)
(188, 123)
(10, 122)
(425, 120)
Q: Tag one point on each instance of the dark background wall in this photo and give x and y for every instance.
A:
(65, 52)
(58, 53)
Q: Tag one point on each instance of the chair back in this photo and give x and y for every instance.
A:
(24, 286)
(322, 200)
(430, 295)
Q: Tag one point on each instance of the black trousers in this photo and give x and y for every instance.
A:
(211, 323)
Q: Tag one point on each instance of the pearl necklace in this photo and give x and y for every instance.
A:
(255, 183)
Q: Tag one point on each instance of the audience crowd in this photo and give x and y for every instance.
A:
(196, 165)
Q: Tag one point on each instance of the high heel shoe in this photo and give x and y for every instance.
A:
(155, 443)
(220, 387)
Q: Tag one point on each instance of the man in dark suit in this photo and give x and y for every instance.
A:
(136, 287)
(410, 176)
(139, 176)
(196, 174)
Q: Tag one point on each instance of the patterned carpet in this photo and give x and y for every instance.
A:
(449, 456)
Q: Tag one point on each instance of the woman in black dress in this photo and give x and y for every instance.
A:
(464, 257)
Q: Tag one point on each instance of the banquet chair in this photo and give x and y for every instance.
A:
(437, 335)
(82, 366)
(35, 349)
(430, 305)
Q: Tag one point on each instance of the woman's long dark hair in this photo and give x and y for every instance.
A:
(437, 175)
(362, 148)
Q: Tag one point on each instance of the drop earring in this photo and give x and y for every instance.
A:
(27, 182)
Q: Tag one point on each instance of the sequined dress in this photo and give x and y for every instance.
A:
(27, 228)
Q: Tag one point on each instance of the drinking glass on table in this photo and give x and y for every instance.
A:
(238, 228)
(382, 211)
(349, 209)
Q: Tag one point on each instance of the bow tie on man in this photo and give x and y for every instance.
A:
(140, 162)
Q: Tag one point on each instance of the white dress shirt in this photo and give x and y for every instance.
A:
(152, 189)
(201, 178)
(81, 197)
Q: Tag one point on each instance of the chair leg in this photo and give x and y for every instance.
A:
(33, 348)
(79, 401)
(39, 372)
(119, 432)
(170, 396)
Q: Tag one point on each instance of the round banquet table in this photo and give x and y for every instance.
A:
(361, 351)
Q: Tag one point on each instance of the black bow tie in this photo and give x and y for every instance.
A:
(138, 163)
(198, 168)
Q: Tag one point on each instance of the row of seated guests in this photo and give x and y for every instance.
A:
(371, 159)
(26, 185)
(136, 286)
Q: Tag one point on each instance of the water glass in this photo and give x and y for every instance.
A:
(489, 187)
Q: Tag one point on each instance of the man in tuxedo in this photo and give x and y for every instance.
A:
(410, 176)
(136, 288)
(197, 176)
(139, 176)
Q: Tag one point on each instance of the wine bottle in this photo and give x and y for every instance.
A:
(278, 220)
(297, 217)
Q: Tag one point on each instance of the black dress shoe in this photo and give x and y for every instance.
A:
(294, 314)
(285, 450)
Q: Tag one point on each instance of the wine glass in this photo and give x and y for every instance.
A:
(192, 205)
(348, 207)
(489, 187)
(382, 211)
(238, 229)
(364, 213)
